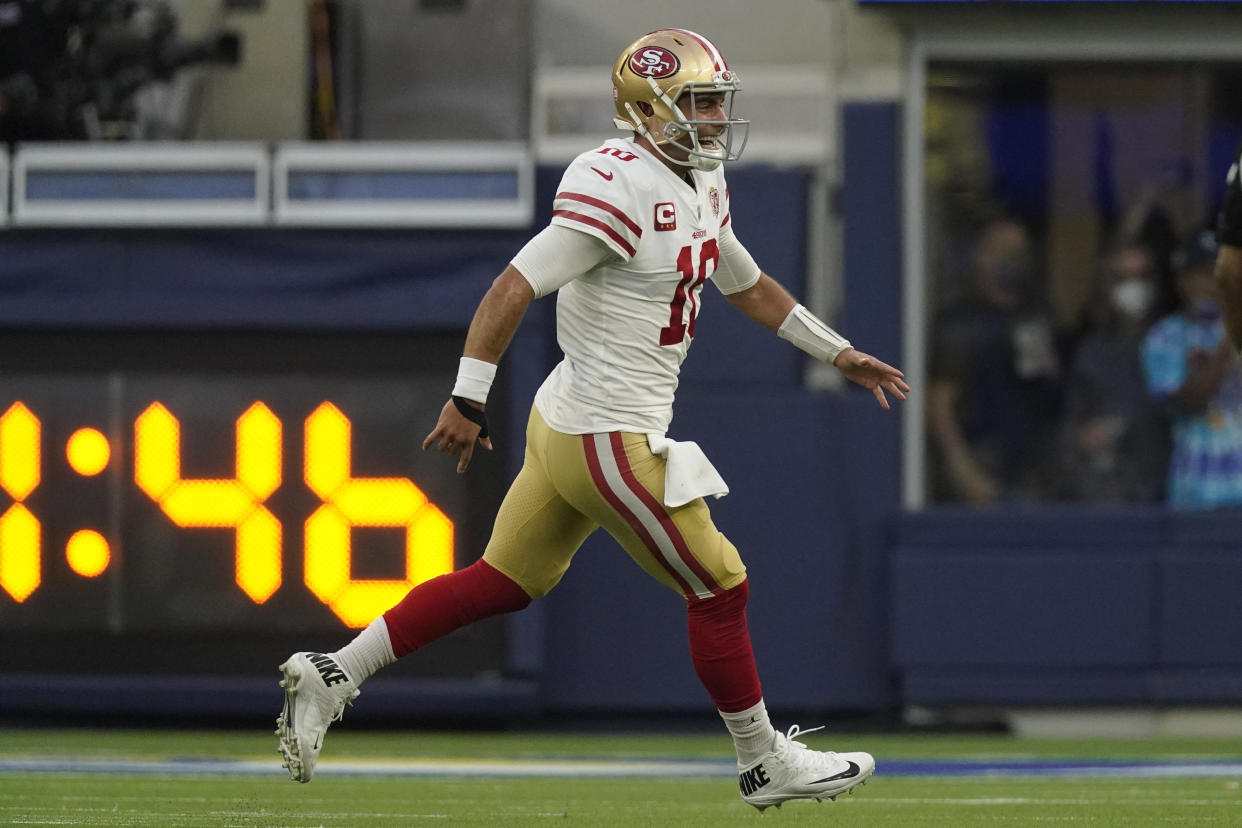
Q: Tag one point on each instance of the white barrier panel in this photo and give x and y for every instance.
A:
(141, 184)
(469, 185)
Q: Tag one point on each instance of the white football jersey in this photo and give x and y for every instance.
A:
(625, 326)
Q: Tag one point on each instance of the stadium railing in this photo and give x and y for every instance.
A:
(478, 185)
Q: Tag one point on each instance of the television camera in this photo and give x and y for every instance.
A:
(72, 69)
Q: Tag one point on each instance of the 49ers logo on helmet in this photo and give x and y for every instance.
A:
(654, 62)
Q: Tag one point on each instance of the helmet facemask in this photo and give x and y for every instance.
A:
(666, 123)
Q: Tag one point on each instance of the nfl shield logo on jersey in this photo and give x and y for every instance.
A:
(713, 195)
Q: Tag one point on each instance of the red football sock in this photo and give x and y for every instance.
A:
(720, 647)
(445, 603)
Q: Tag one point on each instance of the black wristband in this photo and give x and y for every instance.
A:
(474, 415)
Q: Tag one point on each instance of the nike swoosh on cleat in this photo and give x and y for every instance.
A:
(603, 175)
(849, 773)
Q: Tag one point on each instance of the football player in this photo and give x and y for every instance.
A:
(639, 225)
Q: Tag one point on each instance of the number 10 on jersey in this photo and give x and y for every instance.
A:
(681, 320)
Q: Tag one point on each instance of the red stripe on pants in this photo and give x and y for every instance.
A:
(605, 489)
(661, 514)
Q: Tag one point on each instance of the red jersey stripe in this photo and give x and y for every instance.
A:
(605, 206)
(714, 53)
(605, 488)
(598, 225)
(661, 514)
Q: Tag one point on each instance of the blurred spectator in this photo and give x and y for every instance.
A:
(1229, 257)
(1165, 213)
(994, 380)
(1115, 439)
(1191, 368)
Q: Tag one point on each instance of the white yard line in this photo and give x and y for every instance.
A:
(569, 768)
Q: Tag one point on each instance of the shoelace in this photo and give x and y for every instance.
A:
(795, 731)
(801, 756)
(338, 706)
(338, 712)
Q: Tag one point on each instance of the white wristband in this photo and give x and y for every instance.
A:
(474, 379)
(803, 329)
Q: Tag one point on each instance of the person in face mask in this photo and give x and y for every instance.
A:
(1191, 369)
(1114, 439)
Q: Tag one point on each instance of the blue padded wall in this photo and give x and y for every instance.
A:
(268, 278)
(814, 474)
(1068, 605)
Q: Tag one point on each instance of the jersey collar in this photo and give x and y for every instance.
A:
(652, 158)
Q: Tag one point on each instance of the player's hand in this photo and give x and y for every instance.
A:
(455, 435)
(870, 373)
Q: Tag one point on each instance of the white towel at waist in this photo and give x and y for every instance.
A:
(688, 473)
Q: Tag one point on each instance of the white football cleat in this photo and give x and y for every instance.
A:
(316, 692)
(791, 770)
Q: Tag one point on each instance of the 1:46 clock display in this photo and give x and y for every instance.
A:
(120, 479)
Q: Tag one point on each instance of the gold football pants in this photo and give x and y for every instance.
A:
(572, 484)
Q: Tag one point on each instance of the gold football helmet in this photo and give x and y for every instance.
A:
(650, 77)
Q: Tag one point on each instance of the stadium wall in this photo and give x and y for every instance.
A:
(855, 604)
(607, 638)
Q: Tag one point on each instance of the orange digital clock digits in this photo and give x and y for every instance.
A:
(359, 501)
(237, 503)
(21, 566)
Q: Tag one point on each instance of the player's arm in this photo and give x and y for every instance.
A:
(766, 302)
(496, 319)
(549, 261)
(763, 299)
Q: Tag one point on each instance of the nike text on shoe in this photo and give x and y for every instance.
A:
(316, 692)
(791, 770)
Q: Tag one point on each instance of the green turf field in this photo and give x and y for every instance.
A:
(173, 784)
